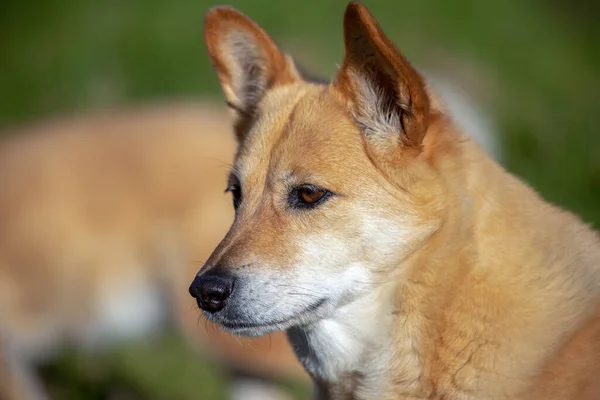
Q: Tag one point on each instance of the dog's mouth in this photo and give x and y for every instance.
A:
(262, 328)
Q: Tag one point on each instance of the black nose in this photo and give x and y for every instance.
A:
(211, 291)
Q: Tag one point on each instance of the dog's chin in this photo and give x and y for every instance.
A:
(252, 328)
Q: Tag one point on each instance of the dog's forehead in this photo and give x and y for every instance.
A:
(319, 134)
(301, 128)
(268, 127)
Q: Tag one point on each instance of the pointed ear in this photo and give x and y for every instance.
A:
(246, 59)
(386, 95)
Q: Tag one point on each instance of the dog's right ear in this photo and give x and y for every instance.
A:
(246, 59)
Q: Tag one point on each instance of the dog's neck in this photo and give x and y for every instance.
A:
(347, 346)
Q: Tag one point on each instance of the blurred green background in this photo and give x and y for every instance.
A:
(533, 65)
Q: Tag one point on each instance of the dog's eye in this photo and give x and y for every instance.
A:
(236, 192)
(310, 196)
(307, 196)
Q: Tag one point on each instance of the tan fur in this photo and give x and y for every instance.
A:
(112, 210)
(431, 272)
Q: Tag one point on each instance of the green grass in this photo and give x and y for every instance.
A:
(533, 64)
(160, 368)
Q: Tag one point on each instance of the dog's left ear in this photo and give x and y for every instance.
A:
(387, 96)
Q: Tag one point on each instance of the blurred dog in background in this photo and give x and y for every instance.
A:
(105, 218)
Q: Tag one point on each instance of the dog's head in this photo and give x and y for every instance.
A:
(333, 184)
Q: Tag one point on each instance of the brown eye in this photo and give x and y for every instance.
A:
(308, 196)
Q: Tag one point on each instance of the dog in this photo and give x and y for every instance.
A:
(104, 216)
(402, 261)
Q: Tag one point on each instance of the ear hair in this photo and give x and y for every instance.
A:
(387, 96)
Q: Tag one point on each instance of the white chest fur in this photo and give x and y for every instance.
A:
(355, 340)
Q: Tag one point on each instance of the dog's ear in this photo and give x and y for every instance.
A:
(386, 95)
(246, 59)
